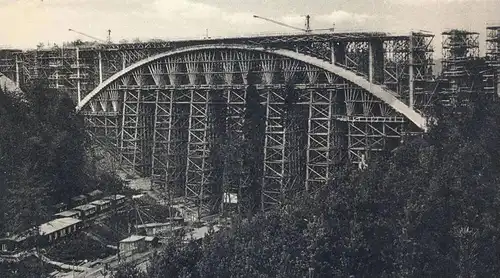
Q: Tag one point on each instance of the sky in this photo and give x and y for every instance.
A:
(25, 23)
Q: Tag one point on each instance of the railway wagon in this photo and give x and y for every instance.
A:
(86, 210)
(116, 200)
(79, 200)
(102, 205)
(69, 213)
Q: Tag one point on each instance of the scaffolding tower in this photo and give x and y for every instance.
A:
(9, 64)
(421, 78)
(460, 50)
(492, 77)
(50, 64)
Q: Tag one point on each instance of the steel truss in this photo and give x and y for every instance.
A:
(317, 45)
(84, 73)
(31, 65)
(282, 153)
(104, 130)
(114, 61)
(492, 77)
(421, 79)
(320, 139)
(200, 167)
(407, 68)
(236, 174)
(460, 48)
(493, 45)
(52, 64)
(218, 126)
(79, 69)
(372, 126)
(170, 140)
(356, 57)
(137, 124)
(396, 66)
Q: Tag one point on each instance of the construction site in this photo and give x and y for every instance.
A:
(237, 125)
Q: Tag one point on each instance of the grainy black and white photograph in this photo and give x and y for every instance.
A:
(249, 138)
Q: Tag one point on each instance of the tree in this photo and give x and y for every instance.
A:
(129, 271)
(43, 159)
(428, 208)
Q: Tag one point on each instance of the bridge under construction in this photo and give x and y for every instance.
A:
(239, 124)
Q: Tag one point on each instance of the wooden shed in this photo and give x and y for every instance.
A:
(58, 228)
(132, 244)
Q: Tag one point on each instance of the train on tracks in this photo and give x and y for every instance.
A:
(64, 223)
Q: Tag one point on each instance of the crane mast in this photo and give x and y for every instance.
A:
(307, 28)
(92, 37)
(279, 23)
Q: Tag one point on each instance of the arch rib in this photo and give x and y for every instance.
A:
(10, 87)
(377, 90)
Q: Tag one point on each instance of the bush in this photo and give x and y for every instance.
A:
(427, 209)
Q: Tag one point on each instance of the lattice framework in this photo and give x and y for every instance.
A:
(460, 49)
(492, 77)
(186, 121)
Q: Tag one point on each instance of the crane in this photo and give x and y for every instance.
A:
(307, 24)
(89, 36)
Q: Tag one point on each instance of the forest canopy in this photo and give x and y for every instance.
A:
(44, 157)
(429, 208)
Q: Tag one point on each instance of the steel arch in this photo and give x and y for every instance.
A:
(10, 87)
(376, 90)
